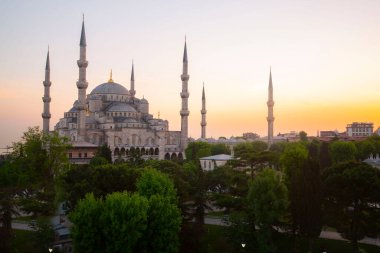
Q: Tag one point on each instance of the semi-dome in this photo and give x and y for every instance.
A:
(110, 88)
(120, 107)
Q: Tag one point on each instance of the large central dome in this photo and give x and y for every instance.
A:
(110, 88)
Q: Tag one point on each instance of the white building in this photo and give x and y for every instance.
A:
(359, 129)
(211, 162)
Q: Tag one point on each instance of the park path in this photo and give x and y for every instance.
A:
(21, 226)
(324, 234)
(219, 222)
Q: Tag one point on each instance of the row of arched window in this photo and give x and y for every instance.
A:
(174, 156)
(140, 151)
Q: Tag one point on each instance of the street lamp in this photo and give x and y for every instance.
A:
(243, 245)
(50, 249)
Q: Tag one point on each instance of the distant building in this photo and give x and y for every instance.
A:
(250, 136)
(211, 162)
(330, 134)
(359, 129)
(291, 136)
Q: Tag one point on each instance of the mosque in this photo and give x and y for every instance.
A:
(111, 114)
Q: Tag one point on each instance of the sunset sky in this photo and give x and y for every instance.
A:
(325, 59)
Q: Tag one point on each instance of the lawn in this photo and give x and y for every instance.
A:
(23, 242)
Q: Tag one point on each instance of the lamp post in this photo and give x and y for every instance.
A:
(50, 249)
(243, 246)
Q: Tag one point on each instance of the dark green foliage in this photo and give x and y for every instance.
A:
(352, 196)
(104, 152)
(341, 151)
(153, 182)
(43, 235)
(196, 150)
(324, 155)
(146, 221)
(220, 148)
(267, 200)
(303, 136)
(229, 187)
(27, 178)
(365, 149)
(101, 180)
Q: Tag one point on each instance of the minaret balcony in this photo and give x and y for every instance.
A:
(184, 94)
(82, 63)
(82, 84)
(46, 115)
(47, 83)
(184, 113)
(46, 99)
(185, 77)
(270, 103)
(270, 119)
(203, 111)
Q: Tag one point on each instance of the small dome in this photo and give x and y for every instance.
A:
(144, 101)
(120, 107)
(110, 88)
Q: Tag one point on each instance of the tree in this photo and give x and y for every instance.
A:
(365, 149)
(197, 149)
(267, 200)
(103, 152)
(293, 160)
(303, 136)
(28, 177)
(352, 198)
(101, 180)
(220, 148)
(341, 151)
(309, 197)
(125, 222)
(153, 182)
(147, 221)
(114, 225)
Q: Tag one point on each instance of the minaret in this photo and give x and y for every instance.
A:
(270, 104)
(203, 112)
(132, 89)
(46, 98)
(184, 95)
(82, 86)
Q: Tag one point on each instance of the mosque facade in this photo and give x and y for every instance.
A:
(111, 114)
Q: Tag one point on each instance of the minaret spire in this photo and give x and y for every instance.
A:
(46, 98)
(184, 96)
(270, 105)
(82, 86)
(203, 112)
(132, 89)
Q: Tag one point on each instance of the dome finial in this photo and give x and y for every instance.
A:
(110, 80)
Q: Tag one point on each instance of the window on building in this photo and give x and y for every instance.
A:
(85, 155)
(70, 155)
(80, 155)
